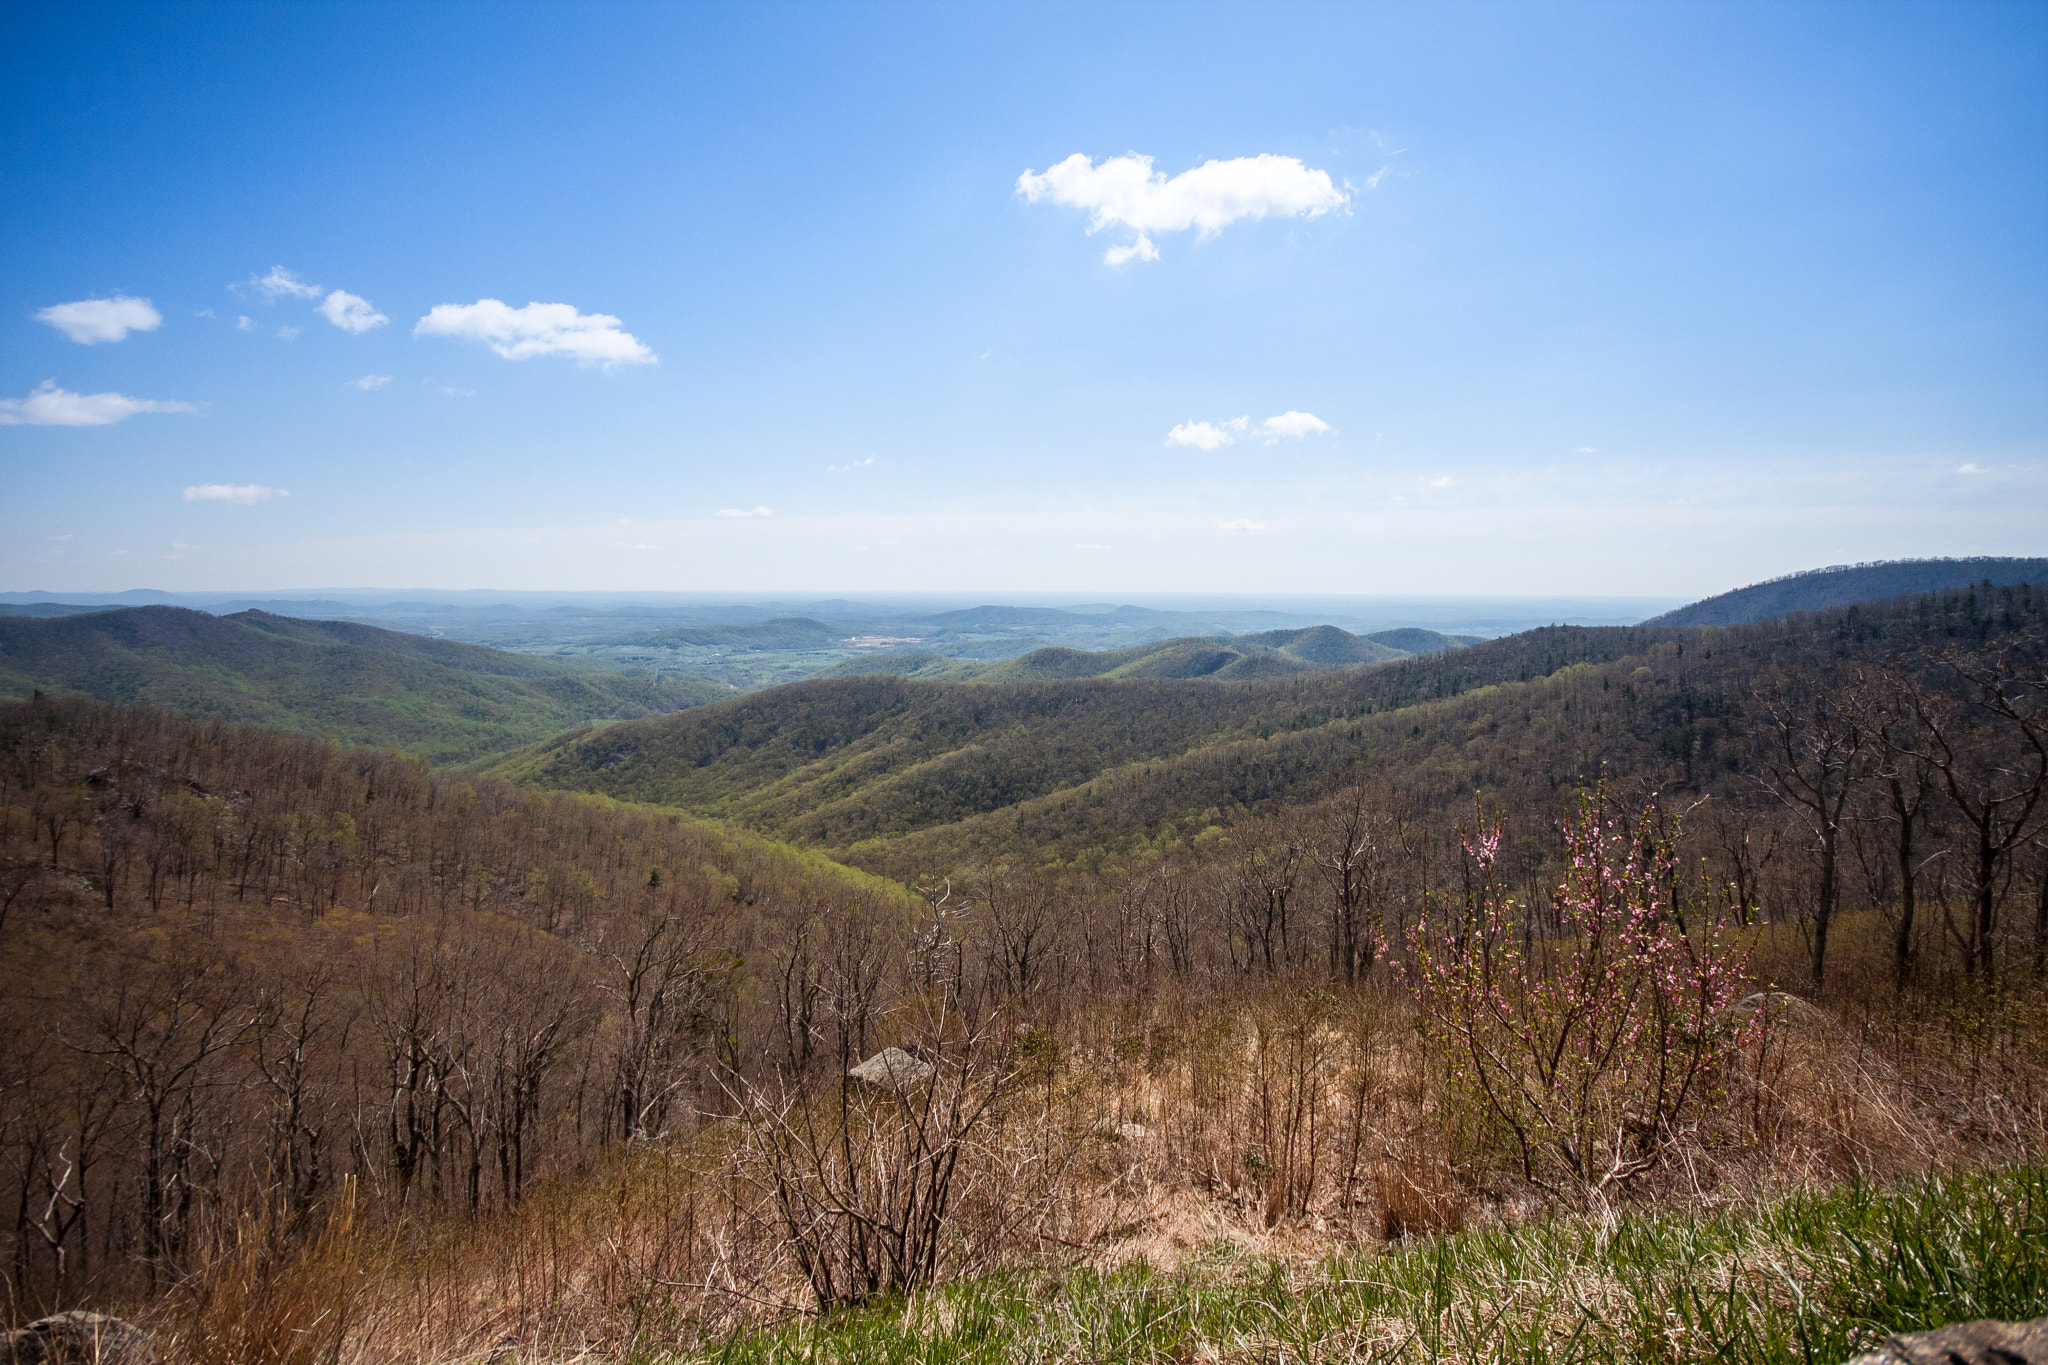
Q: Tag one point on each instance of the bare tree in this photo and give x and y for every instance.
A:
(1988, 749)
(1356, 845)
(1814, 751)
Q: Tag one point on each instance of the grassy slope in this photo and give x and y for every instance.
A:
(1811, 1280)
(443, 701)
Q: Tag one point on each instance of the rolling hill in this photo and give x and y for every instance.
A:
(1235, 658)
(360, 684)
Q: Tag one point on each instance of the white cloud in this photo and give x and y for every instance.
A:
(1443, 481)
(1585, 450)
(633, 545)
(280, 284)
(1209, 435)
(351, 312)
(1292, 426)
(245, 323)
(89, 321)
(369, 381)
(287, 334)
(1971, 468)
(1241, 524)
(1140, 250)
(234, 494)
(844, 468)
(746, 511)
(1126, 191)
(537, 329)
(50, 406)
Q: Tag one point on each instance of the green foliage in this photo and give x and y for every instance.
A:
(1810, 1281)
(901, 775)
(443, 701)
(1416, 641)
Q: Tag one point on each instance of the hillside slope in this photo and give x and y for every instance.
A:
(1846, 584)
(899, 775)
(444, 701)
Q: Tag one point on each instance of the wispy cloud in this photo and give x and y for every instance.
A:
(245, 323)
(287, 334)
(633, 545)
(1287, 426)
(350, 312)
(1971, 468)
(234, 494)
(537, 329)
(278, 284)
(844, 468)
(50, 406)
(1126, 191)
(91, 321)
(1442, 481)
(369, 381)
(1241, 524)
(746, 511)
(1585, 450)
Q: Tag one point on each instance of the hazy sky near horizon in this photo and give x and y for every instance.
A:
(1650, 298)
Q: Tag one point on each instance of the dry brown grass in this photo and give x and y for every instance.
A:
(266, 1298)
(1285, 1125)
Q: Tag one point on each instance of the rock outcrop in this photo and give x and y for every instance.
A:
(76, 1338)
(1967, 1343)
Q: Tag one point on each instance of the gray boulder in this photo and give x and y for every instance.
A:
(76, 1338)
(1967, 1343)
(1782, 1010)
(892, 1069)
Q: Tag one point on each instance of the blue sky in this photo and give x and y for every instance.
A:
(1580, 298)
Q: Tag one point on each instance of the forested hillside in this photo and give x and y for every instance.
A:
(445, 701)
(1847, 584)
(904, 776)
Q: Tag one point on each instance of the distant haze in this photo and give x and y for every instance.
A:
(473, 614)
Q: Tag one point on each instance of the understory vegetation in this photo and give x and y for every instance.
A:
(1737, 1050)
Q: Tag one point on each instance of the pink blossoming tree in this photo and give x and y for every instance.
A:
(1593, 1042)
